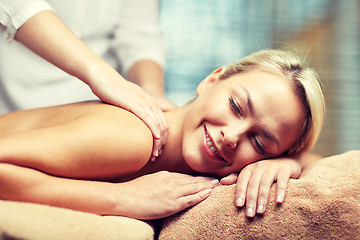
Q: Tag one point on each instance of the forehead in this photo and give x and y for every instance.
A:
(259, 79)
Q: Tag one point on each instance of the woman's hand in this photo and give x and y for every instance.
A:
(161, 194)
(254, 181)
(148, 197)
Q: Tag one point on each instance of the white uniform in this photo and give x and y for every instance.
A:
(121, 32)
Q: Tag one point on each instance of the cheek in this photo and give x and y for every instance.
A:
(214, 101)
(191, 141)
(245, 156)
(219, 115)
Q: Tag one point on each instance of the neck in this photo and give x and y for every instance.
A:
(171, 158)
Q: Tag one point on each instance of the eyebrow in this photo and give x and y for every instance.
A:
(251, 109)
(272, 138)
(249, 100)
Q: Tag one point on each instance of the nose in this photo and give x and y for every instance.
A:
(232, 134)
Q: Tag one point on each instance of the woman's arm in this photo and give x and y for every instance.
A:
(149, 197)
(85, 140)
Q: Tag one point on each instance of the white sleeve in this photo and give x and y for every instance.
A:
(138, 36)
(14, 13)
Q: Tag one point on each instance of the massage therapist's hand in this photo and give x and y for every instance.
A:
(120, 92)
(254, 181)
(162, 194)
(165, 104)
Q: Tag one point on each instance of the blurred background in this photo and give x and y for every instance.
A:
(202, 35)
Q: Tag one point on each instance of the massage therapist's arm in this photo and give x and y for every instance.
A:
(149, 75)
(46, 35)
(149, 197)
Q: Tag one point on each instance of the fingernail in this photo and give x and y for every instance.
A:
(279, 199)
(260, 208)
(240, 202)
(153, 159)
(215, 182)
(156, 153)
(250, 212)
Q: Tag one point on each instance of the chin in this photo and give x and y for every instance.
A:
(201, 167)
(195, 162)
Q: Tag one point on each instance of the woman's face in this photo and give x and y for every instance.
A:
(250, 116)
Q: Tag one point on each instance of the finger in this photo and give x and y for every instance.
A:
(157, 142)
(158, 112)
(148, 110)
(164, 136)
(152, 121)
(154, 118)
(251, 198)
(161, 125)
(185, 179)
(230, 179)
(241, 187)
(282, 183)
(264, 191)
(252, 192)
(191, 200)
(156, 149)
(197, 185)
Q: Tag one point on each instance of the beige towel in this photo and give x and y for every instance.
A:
(324, 203)
(39, 222)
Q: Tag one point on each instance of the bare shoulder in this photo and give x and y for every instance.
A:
(124, 119)
(130, 132)
(131, 140)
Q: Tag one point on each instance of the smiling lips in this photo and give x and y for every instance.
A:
(211, 146)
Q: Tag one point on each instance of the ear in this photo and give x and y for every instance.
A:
(210, 80)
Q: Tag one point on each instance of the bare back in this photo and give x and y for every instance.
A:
(90, 140)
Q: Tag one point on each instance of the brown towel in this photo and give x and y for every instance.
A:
(39, 222)
(324, 203)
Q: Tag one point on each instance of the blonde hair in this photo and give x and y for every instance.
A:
(305, 83)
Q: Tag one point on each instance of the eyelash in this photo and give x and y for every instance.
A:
(237, 110)
(258, 145)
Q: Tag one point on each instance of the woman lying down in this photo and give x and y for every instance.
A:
(94, 157)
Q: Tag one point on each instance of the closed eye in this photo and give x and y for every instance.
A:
(258, 145)
(235, 108)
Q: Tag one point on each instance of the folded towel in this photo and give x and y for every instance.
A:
(39, 222)
(324, 203)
